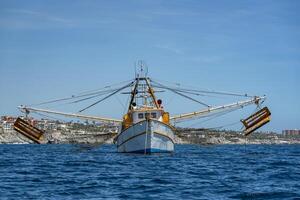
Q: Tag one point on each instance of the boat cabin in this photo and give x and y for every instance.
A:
(141, 115)
(135, 116)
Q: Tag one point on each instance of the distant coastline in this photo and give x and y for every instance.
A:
(211, 137)
(183, 136)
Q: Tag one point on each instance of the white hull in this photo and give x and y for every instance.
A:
(150, 136)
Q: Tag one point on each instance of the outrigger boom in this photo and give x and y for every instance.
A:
(80, 116)
(211, 110)
(176, 118)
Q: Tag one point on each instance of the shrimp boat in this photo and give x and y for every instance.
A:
(146, 127)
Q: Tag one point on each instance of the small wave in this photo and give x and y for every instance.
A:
(265, 195)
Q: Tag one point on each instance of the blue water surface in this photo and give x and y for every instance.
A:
(191, 172)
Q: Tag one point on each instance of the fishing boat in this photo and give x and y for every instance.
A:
(146, 127)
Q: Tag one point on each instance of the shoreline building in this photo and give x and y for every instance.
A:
(291, 132)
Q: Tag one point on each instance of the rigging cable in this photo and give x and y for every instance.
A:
(225, 125)
(187, 92)
(48, 116)
(87, 98)
(214, 116)
(127, 101)
(82, 94)
(108, 86)
(118, 90)
(179, 93)
(120, 102)
(210, 92)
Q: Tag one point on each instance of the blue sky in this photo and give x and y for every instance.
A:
(52, 49)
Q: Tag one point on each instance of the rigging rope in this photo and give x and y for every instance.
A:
(179, 93)
(82, 94)
(209, 92)
(120, 102)
(187, 92)
(108, 86)
(48, 116)
(118, 90)
(214, 116)
(225, 111)
(226, 125)
(127, 101)
(218, 93)
(87, 98)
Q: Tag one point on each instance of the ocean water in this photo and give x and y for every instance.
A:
(191, 172)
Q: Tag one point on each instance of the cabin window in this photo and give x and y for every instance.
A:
(141, 115)
(153, 115)
(147, 115)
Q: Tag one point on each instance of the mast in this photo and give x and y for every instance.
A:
(133, 93)
(151, 91)
(142, 90)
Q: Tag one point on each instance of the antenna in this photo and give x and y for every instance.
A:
(141, 69)
(135, 70)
